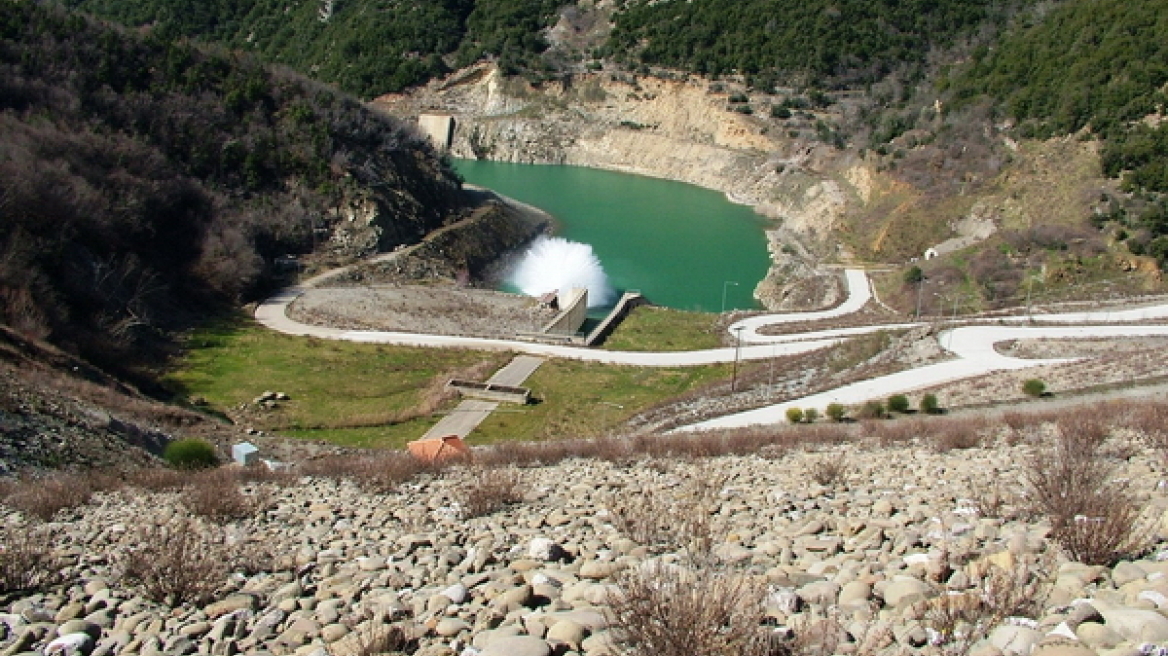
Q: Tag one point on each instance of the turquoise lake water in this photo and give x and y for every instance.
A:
(677, 244)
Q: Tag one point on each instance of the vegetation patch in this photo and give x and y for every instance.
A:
(579, 399)
(649, 328)
(355, 394)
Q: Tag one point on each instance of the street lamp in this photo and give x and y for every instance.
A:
(724, 286)
(737, 350)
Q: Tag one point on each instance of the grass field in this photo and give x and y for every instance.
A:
(649, 328)
(384, 396)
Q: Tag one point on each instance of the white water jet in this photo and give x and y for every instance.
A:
(557, 264)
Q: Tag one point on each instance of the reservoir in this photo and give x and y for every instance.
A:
(680, 245)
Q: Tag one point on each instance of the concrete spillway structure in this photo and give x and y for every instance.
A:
(439, 127)
(573, 306)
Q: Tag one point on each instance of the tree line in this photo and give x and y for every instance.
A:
(366, 47)
(145, 182)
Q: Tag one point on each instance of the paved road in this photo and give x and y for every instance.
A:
(972, 346)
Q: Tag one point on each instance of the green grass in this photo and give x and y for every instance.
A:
(340, 391)
(366, 395)
(650, 328)
(580, 399)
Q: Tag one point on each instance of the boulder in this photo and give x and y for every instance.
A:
(517, 646)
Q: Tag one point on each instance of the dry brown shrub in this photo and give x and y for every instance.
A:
(820, 636)
(103, 480)
(158, 479)
(891, 433)
(26, 560)
(527, 454)
(1094, 517)
(680, 517)
(1018, 421)
(1083, 428)
(43, 498)
(1149, 419)
(378, 473)
(489, 490)
(372, 634)
(261, 473)
(829, 471)
(963, 433)
(832, 433)
(665, 610)
(992, 499)
(216, 495)
(961, 619)
(183, 562)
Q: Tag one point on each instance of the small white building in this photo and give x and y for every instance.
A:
(245, 453)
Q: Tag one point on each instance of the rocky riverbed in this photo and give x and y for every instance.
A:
(851, 549)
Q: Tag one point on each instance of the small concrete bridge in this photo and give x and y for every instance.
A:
(471, 412)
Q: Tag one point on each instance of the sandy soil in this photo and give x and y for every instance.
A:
(438, 309)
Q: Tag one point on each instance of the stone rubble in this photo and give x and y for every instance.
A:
(869, 559)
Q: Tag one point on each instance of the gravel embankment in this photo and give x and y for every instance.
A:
(873, 554)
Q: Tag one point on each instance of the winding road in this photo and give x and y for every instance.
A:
(972, 346)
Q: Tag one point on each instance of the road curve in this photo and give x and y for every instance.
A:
(972, 346)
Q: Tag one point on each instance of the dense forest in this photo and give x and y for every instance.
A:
(143, 182)
(794, 41)
(367, 47)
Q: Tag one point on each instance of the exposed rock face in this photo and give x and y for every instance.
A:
(394, 202)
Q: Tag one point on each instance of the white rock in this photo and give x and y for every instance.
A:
(1014, 640)
(517, 646)
(1137, 625)
(456, 593)
(70, 644)
(543, 549)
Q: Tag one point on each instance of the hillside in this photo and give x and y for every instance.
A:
(932, 537)
(148, 183)
(367, 47)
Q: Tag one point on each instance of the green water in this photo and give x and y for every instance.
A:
(677, 244)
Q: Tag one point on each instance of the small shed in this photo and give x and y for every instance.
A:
(245, 453)
(439, 449)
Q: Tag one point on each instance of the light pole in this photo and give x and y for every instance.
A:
(724, 286)
(920, 287)
(737, 350)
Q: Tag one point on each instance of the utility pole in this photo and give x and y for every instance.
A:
(737, 350)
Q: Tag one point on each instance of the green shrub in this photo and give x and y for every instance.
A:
(836, 411)
(794, 415)
(898, 403)
(810, 415)
(191, 453)
(930, 405)
(1034, 387)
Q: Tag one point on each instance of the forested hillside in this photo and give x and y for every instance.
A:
(367, 47)
(816, 42)
(144, 182)
(1097, 66)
